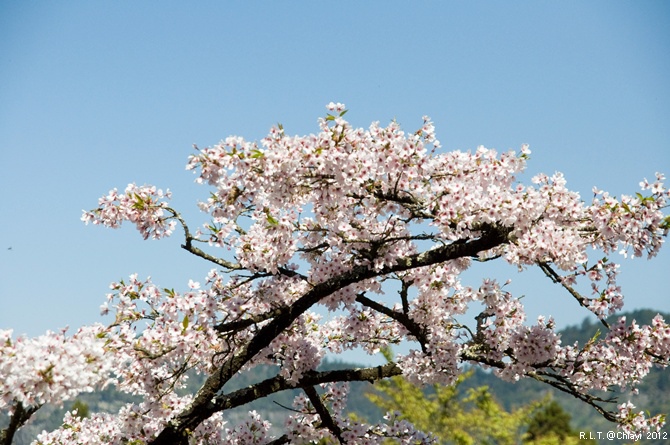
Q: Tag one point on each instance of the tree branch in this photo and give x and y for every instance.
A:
(278, 383)
(202, 407)
(556, 278)
(568, 388)
(412, 327)
(557, 381)
(17, 420)
(323, 413)
(240, 324)
(188, 245)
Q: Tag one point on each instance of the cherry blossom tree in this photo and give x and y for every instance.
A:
(347, 238)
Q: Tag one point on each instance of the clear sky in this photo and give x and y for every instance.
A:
(94, 95)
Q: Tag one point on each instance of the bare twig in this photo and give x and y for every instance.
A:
(556, 278)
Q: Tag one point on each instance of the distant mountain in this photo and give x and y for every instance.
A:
(510, 395)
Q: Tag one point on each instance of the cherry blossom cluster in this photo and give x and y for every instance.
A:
(437, 365)
(548, 224)
(135, 423)
(503, 316)
(622, 358)
(631, 223)
(254, 431)
(53, 367)
(636, 423)
(533, 346)
(303, 426)
(363, 328)
(659, 337)
(298, 349)
(171, 326)
(608, 297)
(306, 427)
(143, 206)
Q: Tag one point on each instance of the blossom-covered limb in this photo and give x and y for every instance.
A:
(201, 408)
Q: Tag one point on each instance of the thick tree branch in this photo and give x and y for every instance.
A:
(403, 295)
(202, 407)
(17, 420)
(278, 383)
(280, 441)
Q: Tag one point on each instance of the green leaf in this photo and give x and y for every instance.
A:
(256, 153)
(666, 223)
(330, 117)
(185, 323)
(139, 203)
(272, 220)
(343, 113)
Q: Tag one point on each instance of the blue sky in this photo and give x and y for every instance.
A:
(94, 95)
